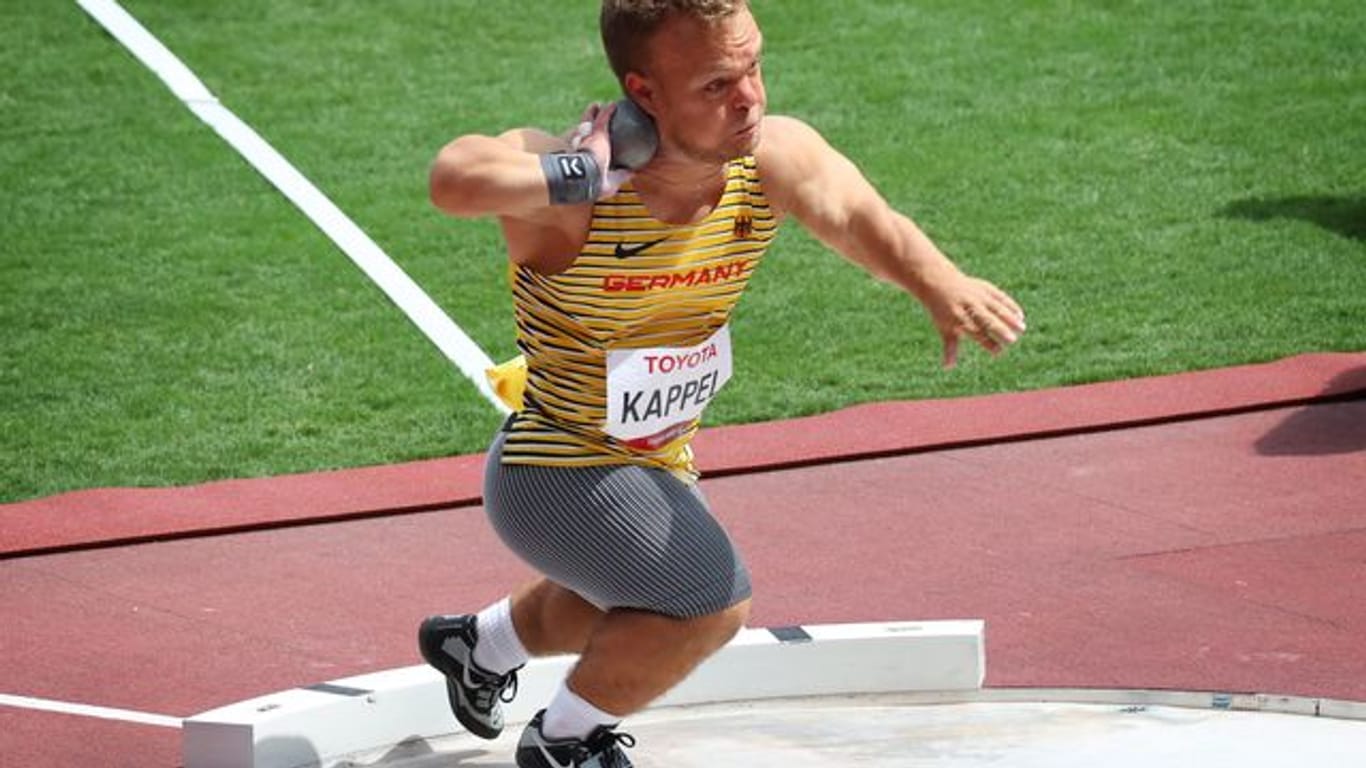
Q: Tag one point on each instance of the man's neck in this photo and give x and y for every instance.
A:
(678, 189)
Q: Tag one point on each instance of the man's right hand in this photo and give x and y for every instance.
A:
(593, 134)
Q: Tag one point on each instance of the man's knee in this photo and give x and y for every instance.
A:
(727, 623)
(738, 614)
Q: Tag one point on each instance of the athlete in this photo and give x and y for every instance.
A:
(622, 288)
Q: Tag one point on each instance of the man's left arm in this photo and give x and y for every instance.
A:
(822, 189)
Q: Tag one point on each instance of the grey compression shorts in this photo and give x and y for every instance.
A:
(620, 536)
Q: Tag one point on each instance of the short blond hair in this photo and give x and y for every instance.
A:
(627, 25)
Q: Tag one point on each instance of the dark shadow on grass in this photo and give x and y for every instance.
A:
(1345, 216)
(1323, 429)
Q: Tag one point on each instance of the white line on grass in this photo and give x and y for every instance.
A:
(87, 710)
(408, 295)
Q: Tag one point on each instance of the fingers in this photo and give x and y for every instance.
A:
(994, 321)
(950, 351)
(594, 120)
(997, 328)
(584, 127)
(580, 132)
(592, 132)
(1013, 314)
(603, 116)
(973, 327)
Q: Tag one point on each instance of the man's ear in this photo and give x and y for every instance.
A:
(640, 90)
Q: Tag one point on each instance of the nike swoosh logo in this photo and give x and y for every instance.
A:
(624, 250)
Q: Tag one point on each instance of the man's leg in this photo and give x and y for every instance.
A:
(634, 657)
(628, 658)
(631, 658)
(551, 619)
(615, 535)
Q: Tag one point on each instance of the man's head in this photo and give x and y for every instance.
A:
(694, 66)
(627, 25)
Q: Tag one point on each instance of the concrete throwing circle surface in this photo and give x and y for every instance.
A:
(882, 731)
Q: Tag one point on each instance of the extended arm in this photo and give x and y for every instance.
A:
(832, 199)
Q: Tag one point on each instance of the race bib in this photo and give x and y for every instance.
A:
(654, 394)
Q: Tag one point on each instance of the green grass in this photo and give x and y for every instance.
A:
(1165, 187)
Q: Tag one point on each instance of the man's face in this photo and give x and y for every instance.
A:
(705, 87)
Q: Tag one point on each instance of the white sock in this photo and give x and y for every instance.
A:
(570, 716)
(499, 650)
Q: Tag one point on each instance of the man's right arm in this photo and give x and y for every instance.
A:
(524, 172)
(493, 176)
(539, 186)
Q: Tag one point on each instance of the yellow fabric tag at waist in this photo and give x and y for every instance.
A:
(508, 380)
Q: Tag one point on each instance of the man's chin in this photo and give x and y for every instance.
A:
(752, 139)
(742, 144)
(737, 146)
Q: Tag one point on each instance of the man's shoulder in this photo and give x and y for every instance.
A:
(788, 140)
(789, 153)
(783, 131)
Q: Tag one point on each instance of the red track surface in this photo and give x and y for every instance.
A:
(1216, 542)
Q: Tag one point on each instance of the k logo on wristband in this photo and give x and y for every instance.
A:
(572, 166)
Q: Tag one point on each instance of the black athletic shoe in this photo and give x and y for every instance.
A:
(447, 643)
(602, 748)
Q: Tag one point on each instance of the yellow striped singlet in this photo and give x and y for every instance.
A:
(638, 286)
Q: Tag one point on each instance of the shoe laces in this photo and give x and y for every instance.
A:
(507, 686)
(607, 743)
(494, 688)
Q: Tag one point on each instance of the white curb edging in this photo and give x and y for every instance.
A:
(313, 725)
